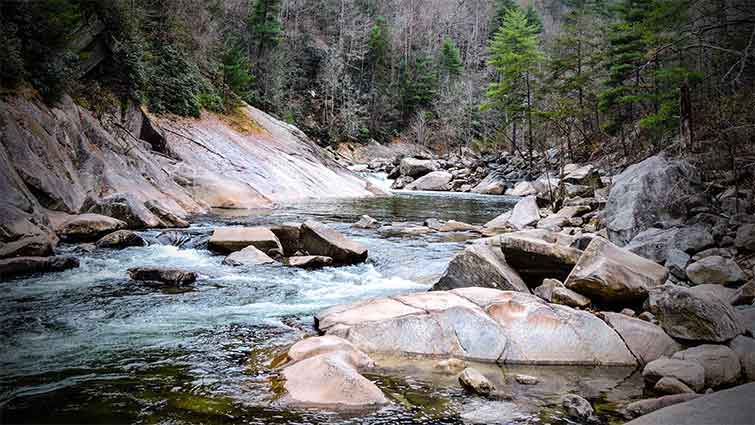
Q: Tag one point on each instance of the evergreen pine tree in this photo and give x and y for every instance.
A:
(264, 25)
(419, 85)
(236, 70)
(534, 19)
(450, 58)
(501, 8)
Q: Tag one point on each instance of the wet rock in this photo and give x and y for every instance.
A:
(16, 266)
(88, 227)
(689, 372)
(745, 237)
(315, 346)
(450, 366)
(745, 349)
(166, 216)
(121, 239)
(308, 261)
(732, 406)
(498, 224)
(537, 255)
(545, 291)
(715, 270)
(28, 246)
(127, 208)
(691, 316)
(745, 294)
(434, 181)
(230, 239)
(318, 239)
(648, 342)
(720, 362)
(289, 235)
(578, 408)
(414, 167)
(525, 213)
(669, 385)
(475, 382)
(184, 239)
(567, 297)
(249, 256)
(158, 275)
(526, 379)
(480, 265)
(609, 274)
(366, 222)
(656, 189)
(643, 407)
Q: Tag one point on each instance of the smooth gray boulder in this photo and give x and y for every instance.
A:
(715, 270)
(475, 382)
(669, 385)
(745, 349)
(480, 265)
(732, 407)
(434, 181)
(525, 213)
(687, 371)
(693, 316)
(609, 274)
(645, 340)
(88, 227)
(745, 238)
(720, 362)
(414, 167)
(121, 239)
(319, 239)
(249, 256)
(523, 188)
(654, 190)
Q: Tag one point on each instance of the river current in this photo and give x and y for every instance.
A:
(89, 346)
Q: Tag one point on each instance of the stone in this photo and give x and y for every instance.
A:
(578, 408)
(226, 240)
(745, 294)
(526, 379)
(584, 175)
(691, 316)
(715, 270)
(677, 262)
(127, 208)
(525, 213)
(318, 239)
(121, 239)
(88, 227)
(721, 292)
(450, 366)
(537, 255)
(656, 189)
(315, 346)
(545, 291)
(249, 256)
(27, 246)
(720, 362)
(366, 222)
(475, 382)
(414, 167)
(308, 261)
(652, 243)
(745, 349)
(499, 223)
(732, 406)
(490, 185)
(646, 341)
(289, 236)
(566, 296)
(669, 385)
(562, 217)
(480, 265)
(17, 266)
(434, 181)
(628, 312)
(523, 188)
(612, 275)
(687, 371)
(168, 276)
(745, 238)
(647, 317)
(457, 226)
(643, 407)
(166, 216)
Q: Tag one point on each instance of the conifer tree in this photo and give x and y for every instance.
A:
(264, 25)
(450, 59)
(419, 84)
(534, 19)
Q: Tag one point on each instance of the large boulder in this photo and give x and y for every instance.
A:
(609, 274)
(434, 181)
(16, 266)
(691, 316)
(289, 235)
(562, 217)
(121, 239)
(525, 213)
(720, 362)
(249, 256)
(308, 261)
(645, 340)
(318, 239)
(480, 265)
(537, 255)
(479, 324)
(689, 372)
(654, 190)
(35, 245)
(492, 184)
(715, 270)
(88, 227)
(745, 238)
(475, 382)
(656, 243)
(745, 349)
(733, 406)
(162, 276)
(127, 208)
(230, 239)
(523, 188)
(414, 167)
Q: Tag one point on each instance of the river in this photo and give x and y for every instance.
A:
(89, 346)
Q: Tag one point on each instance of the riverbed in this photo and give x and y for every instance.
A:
(89, 346)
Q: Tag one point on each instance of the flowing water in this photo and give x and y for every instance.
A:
(89, 346)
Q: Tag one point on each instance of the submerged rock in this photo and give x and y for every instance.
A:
(480, 265)
(475, 382)
(318, 239)
(88, 227)
(230, 239)
(16, 266)
(168, 276)
(121, 239)
(578, 408)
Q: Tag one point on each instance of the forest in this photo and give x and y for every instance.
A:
(596, 76)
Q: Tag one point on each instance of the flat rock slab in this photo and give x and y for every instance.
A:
(231, 239)
(17, 266)
(318, 239)
(175, 277)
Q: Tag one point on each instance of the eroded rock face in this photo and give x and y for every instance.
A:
(537, 255)
(127, 208)
(16, 266)
(249, 256)
(318, 239)
(434, 181)
(477, 323)
(231, 239)
(159, 275)
(645, 340)
(720, 362)
(88, 227)
(692, 316)
(656, 189)
(609, 274)
(480, 265)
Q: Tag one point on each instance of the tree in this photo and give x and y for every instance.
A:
(419, 85)
(515, 55)
(534, 19)
(450, 59)
(263, 24)
(502, 7)
(236, 70)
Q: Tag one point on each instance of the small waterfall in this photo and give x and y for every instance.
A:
(378, 179)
